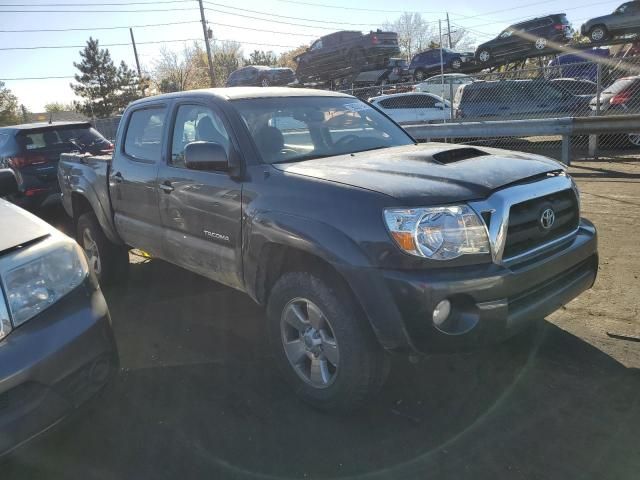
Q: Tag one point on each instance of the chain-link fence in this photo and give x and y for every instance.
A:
(606, 87)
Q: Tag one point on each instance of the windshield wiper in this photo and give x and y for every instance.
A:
(305, 157)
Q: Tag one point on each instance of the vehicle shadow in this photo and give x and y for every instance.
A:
(198, 397)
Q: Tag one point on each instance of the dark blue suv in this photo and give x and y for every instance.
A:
(429, 61)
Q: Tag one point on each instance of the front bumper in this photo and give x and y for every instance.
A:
(490, 302)
(53, 364)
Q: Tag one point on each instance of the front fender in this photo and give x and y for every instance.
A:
(334, 247)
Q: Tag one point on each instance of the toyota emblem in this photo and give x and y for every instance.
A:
(547, 218)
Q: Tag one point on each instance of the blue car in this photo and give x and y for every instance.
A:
(431, 61)
(572, 65)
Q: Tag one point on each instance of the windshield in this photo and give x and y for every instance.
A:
(620, 85)
(300, 128)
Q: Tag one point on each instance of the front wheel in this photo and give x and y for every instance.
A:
(323, 345)
(541, 43)
(633, 140)
(108, 262)
(419, 75)
(598, 33)
(484, 56)
(264, 82)
(456, 64)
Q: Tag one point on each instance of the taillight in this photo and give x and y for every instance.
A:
(375, 40)
(108, 149)
(20, 162)
(621, 98)
(559, 27)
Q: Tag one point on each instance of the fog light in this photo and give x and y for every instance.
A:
(441, 312)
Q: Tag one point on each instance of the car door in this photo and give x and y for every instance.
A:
(133, 178)
(201, 210)
(399, 108)
(505, 43)
(430, 108)
(630, 19)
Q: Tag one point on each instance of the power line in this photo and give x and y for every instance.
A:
(218, 24)
(49, 47)
(284, 16)
(100, 11)
(33, 78)
(340, 7)
(96, 28)
(100, 4)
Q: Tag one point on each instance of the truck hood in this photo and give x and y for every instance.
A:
(19, 227)
(427, 174)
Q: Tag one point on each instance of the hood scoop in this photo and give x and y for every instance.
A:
(453, 155)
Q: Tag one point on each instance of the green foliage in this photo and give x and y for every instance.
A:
(260, 57)
(9, 109)
(105, 89)
(287, 59)
(55, 107)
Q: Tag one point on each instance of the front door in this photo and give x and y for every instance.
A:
(201, 210)
(133, 179)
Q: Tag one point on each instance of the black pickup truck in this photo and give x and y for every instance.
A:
(356, 239)
(347, 52)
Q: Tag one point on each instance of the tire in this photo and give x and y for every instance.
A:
(540, 44)
(419, 75)
(456, 64)
(333, 360)
(484, 56)
(264, 82)
(633, 140)
(598, 33)
(108, 262)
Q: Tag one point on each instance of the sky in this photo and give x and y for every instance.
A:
(229, 20)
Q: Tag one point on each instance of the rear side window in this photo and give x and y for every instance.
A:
(143, 140)
(62, 138)
(4, 138)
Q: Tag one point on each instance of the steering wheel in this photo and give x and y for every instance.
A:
(347, 139)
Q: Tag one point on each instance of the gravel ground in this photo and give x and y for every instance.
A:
(198, 396)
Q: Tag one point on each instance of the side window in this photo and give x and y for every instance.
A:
(143, 140)
(422, 101)
(196, 123)
(317, 45)
(506, 34)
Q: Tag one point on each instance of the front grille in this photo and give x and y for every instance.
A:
(525, 230)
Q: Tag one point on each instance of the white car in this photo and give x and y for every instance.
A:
(413, 107)
(434, 84)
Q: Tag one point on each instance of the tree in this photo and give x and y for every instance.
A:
(286, 59)
(260, 57)
(56, 107)
(9, 108)
(227, 57)
(416, 34)
(179, 71)
(104, 88)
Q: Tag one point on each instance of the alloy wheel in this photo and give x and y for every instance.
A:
(264, 82)
(309, 343)
(597, 34)
(456, 64)
(484, 56)
(634, 139)
(541, 43)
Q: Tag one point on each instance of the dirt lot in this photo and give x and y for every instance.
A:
(198, 397)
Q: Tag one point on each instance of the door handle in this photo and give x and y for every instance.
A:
(166, 187)
(117, 177)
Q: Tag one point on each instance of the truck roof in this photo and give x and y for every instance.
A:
(237, 93)
(33, 126)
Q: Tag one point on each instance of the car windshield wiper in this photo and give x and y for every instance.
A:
(305, 157)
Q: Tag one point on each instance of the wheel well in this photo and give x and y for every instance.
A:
(79, 205)
(277, 260)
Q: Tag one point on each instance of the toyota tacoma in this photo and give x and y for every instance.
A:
(357, 240)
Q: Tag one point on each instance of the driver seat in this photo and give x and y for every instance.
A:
(270, 141)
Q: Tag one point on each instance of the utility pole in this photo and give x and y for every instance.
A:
(135, 53)
(206, 42)
(449, 29)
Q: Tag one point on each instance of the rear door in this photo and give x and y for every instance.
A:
(400, 108)
(133, 177)
(201, 210)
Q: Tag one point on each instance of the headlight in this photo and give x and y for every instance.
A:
(439, 233)
(41, 275)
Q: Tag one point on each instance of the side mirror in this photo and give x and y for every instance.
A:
(8, 182)
(206, 156)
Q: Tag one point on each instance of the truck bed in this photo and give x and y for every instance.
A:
(88, 174)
